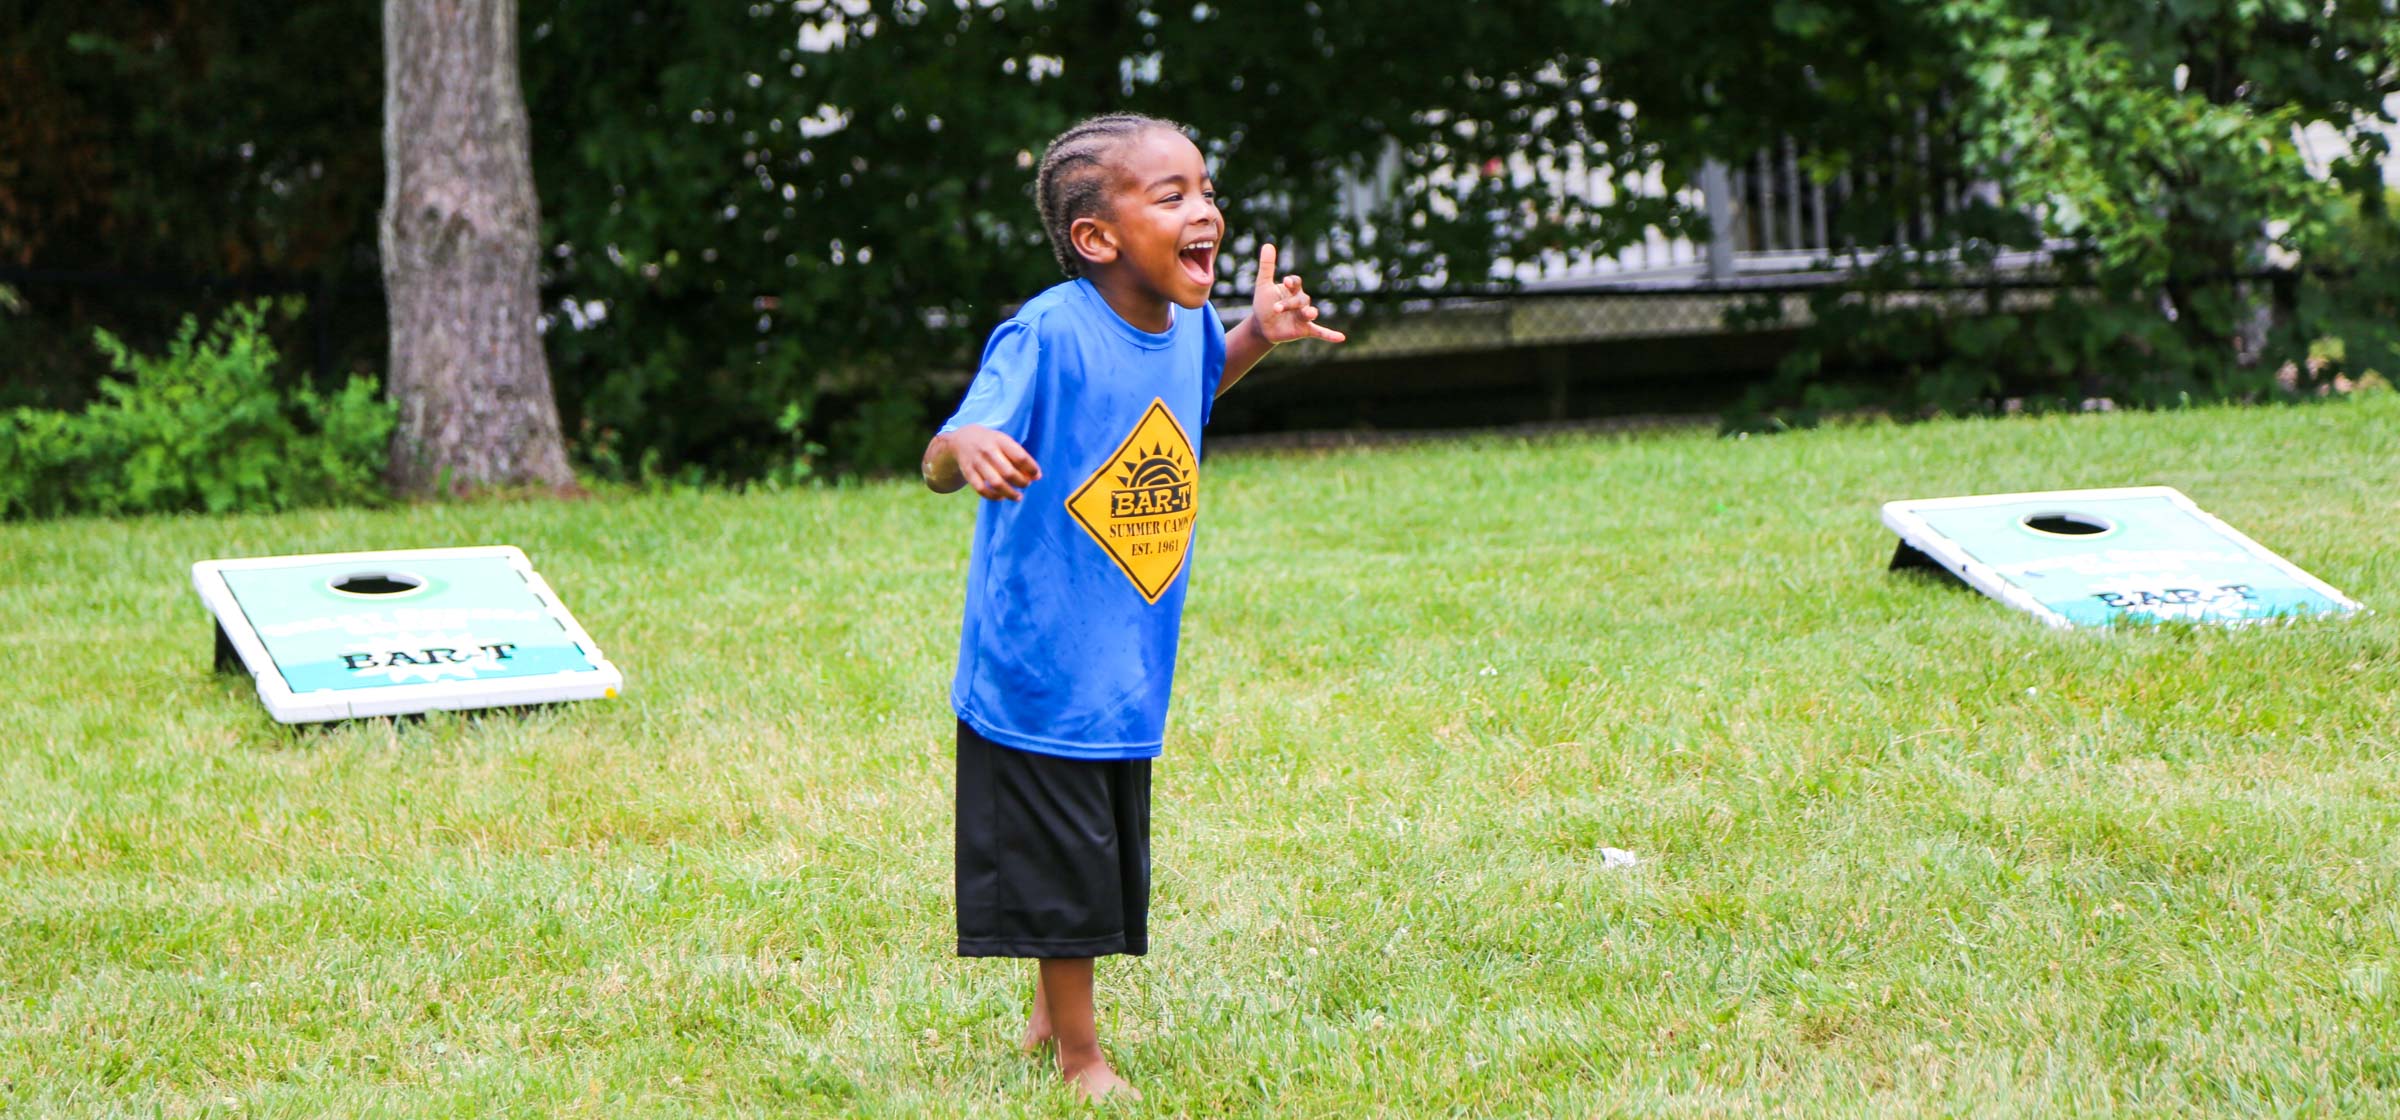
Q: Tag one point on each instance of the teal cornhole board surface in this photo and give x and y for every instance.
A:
(338, 636)
(2103, 557)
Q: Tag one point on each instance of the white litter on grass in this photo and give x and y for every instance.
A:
(1618, 857)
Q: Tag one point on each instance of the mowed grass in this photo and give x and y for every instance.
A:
(1904, 851)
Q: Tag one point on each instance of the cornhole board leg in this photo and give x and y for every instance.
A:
(1907, 556)
(229, 659)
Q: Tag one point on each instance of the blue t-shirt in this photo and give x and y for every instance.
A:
(1075, 594)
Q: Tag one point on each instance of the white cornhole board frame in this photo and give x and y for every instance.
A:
(2157, 557)
(480, 629)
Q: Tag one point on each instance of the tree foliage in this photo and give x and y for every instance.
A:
(215, 138)
(2158, 148)
(774, 232)
(818, 209)
(162, 155)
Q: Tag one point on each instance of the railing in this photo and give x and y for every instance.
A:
(1771, 217)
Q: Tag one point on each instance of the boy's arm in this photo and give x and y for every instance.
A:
(1279, 313)
(995, 465)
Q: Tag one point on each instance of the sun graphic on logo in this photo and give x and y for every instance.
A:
(1158, 466)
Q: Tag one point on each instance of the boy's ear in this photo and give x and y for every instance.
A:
(1093, 240)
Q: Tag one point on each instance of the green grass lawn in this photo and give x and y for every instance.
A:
(1904, 851)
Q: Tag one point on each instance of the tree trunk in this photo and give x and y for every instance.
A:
(461, 233)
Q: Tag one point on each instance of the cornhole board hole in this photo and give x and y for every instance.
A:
(343, 635)
(2101, 557)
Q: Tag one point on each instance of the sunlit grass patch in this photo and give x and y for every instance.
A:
(1902, 849)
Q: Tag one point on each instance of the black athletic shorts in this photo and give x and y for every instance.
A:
(1053, 853)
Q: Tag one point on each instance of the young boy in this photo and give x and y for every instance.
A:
(1075, 588)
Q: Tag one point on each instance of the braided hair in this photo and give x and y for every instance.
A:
(1074, 177)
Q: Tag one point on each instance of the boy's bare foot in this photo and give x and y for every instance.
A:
(1037, 1027)
(1063, 1015)
(1094, 1081)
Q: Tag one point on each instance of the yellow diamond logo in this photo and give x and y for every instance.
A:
(1140, 504)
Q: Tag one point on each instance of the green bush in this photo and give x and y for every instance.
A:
(1909, 347)
(204, 426)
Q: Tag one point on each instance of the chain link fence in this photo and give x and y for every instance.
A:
(1691, 349)
(1387, 326)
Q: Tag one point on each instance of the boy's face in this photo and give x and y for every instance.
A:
(1164, 219)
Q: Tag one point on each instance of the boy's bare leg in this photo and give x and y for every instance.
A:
(1067, 990)
(1037, 1027)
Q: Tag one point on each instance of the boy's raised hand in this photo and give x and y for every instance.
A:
(1283, 310)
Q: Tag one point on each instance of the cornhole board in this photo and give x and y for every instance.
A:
(342, 635)
(2101, 557)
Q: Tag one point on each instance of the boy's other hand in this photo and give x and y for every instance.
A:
(994, 465)
(1283, 310)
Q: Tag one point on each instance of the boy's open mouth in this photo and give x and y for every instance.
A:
(1200, 261)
